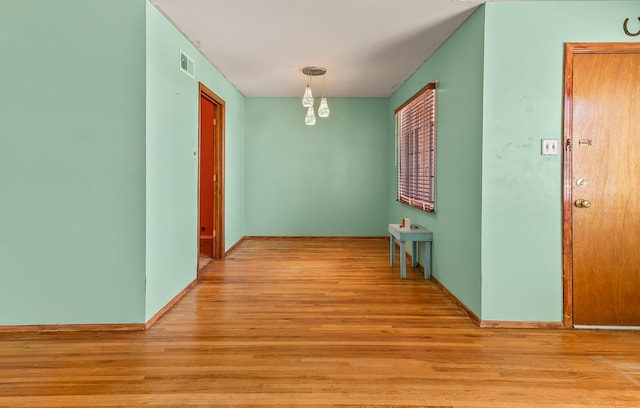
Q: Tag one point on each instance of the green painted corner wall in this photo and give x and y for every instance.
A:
(521, 190)
(172, 138)
(172, 166)
(98, 217)
(324, 180)
(72, 162)
(458, 67)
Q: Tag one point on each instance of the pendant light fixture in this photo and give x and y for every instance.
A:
(307, 99)
(323, 109)
(310, 119)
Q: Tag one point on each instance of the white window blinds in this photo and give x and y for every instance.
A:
(416, 127)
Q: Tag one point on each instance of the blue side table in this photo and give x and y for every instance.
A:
(415, 234)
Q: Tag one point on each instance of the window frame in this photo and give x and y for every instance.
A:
(416, 149)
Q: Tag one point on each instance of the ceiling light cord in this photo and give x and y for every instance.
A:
(323, 109)
(307, 99)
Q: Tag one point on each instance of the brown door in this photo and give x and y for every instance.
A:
(605, 184)
(211, 176)
(207, 230)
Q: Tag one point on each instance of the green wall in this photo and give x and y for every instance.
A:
(172, 162)
(498, 200)
(458, 67)
(172, 166)
(328, 179)
(522, 191)
(72, 161)
(98, 216)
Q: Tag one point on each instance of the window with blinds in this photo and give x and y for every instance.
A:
(416, 133)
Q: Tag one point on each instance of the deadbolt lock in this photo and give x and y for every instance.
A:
(582, 203)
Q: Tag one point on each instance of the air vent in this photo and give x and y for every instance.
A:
(186, 65)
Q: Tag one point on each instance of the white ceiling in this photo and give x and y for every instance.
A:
(369, 47)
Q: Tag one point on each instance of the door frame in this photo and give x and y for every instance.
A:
(218, 167)
(570, 50)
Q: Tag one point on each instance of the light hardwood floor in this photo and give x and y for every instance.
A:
(319, 323)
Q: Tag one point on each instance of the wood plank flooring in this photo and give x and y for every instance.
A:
(319, 322)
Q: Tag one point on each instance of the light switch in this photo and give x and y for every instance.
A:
(549, 147)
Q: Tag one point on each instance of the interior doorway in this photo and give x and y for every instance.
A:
(211, 176)
(601, 190)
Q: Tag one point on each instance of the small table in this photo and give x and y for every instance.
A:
(415, 234)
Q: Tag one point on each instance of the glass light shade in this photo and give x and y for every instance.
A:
(310, 119)
(307, 99)
(323, 109)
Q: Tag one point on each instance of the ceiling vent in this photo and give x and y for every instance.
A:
(186, 65)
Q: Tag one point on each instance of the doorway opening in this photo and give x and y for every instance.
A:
(601, 195)
(210, 177)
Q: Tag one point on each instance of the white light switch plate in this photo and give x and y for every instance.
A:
(549, 147)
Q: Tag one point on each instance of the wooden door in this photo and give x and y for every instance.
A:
(207, 230)
(211, 174)
(604, 190)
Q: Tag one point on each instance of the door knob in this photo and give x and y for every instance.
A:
(581, 203)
